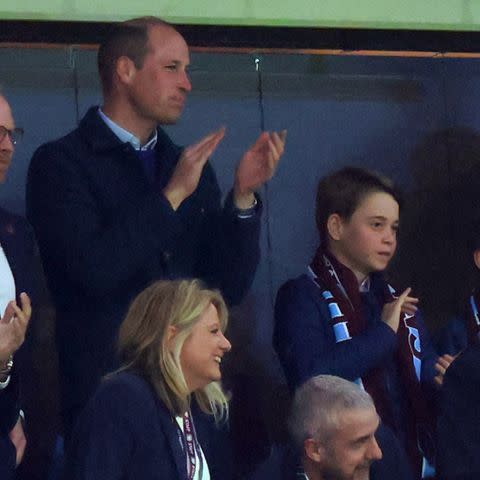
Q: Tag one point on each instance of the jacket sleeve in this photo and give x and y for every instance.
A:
(229, 252)
(305, 344)
(9, 409)
(98, 256)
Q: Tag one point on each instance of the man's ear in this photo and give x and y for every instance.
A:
(125, 69)
(476, 258)
(314, 450)
(335, 226)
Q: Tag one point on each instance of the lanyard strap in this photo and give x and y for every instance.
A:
(191, 447)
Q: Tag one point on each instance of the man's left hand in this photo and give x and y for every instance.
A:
(257, 166)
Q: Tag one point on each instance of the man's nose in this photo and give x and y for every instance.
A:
(185, 82)
(374, 450)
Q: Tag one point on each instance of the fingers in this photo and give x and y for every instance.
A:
(438, 380)
(9, 313)
(26, 304)
(444, 362)
(403, 296)
(409, 305)
(206, 145)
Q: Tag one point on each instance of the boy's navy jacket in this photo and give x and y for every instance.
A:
(305, 341)
(126, 432)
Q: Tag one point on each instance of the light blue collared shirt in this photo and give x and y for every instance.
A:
(125, 136)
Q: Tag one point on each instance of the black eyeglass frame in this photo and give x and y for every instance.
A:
(15, 134)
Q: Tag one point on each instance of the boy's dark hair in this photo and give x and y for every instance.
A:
(342, 192)
(129, 39)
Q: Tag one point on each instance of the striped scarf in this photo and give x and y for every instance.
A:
(339, 288)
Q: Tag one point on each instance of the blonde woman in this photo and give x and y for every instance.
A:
(156, 417)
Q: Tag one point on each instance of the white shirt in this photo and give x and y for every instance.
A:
(7, 283)
(7, 292)
(205, 470)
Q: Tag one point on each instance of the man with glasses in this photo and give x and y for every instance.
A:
(15, 308)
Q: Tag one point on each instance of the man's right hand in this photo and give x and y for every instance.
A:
(189, 168)
(13, 326)
(403, 304)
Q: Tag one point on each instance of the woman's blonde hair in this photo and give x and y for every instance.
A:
(144, 345)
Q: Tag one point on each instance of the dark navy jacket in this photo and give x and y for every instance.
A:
(127, 433)
(459, 419)
(305, 341)
(17, 242)
(105, 233)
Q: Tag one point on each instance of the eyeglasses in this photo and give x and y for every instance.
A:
(15, 134)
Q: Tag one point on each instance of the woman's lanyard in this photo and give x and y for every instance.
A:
(191, 447)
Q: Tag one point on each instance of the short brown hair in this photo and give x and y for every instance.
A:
(342, 192)
(129, 39)
(143, 341)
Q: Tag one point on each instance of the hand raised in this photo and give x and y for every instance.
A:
(13, 326)
(403, 304)
(259, 163)
(185, 178)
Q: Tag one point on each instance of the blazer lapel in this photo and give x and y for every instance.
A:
(170, 427)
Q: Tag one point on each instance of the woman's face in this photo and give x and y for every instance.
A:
(203, 351)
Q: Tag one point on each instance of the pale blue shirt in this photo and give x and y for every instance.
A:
(127, 137)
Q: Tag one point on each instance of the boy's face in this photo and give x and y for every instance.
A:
(367, 241)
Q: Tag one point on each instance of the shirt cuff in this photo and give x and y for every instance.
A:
(247, 212)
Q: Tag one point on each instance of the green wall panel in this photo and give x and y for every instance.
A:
(404, 14)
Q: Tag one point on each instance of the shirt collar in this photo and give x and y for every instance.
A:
(125, 136)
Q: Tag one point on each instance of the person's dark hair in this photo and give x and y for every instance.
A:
(129, 39)
(342, 192)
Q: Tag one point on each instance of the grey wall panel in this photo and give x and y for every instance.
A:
(415, 120)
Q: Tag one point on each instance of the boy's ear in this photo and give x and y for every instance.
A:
(314, 450)
(334, 226)
(476, 258)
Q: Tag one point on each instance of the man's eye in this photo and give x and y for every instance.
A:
(214, 331)
(171, 67)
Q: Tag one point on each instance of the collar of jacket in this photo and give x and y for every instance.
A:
(95, 132)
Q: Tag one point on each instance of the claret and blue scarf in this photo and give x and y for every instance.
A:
(339, 288)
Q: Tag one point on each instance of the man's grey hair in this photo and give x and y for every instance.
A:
(319, 405)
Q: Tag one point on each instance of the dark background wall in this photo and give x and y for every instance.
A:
(414, 119)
